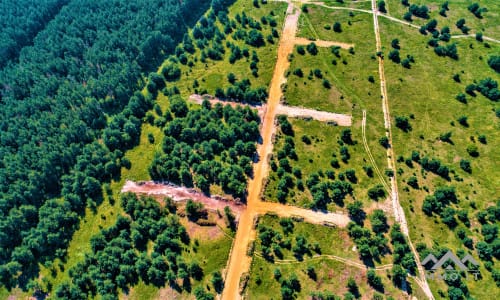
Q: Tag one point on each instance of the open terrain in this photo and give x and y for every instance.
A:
(265, 150)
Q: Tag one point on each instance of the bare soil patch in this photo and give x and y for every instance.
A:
(300, 112)
(182, 194)
(321, 43)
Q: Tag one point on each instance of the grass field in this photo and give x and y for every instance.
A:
(349, 3)
(348, 74)
(427, 91)
(332, 275)
(316, 157)
(213, 73)
(488, 24)
(211, 254)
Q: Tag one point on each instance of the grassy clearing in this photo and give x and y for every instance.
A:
(213, 73)
(309, 91)
(317, 157)
(427, 91)
(348, 74)
(211, 254)
(331, 240)
(359, 4)
(331, 274)
(488, 25)
(351, 80)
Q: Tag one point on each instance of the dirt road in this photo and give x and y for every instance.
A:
(320, 43)
(239, 262)
(399, 214)
(295, 112)
(310, 216)
(291, 111)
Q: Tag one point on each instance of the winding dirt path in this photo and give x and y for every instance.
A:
(239, 262)
(297, 112)
(321, 43)
(399, 214)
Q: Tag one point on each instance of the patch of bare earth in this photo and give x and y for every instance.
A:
(321, 43)
(182, 194)
(300, 112)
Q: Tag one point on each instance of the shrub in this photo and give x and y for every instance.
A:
(301, 50)
(394, 56)
(327, 84)
(461, 98)
(312, 48)
(403, 123)
(494, 63)
(463, 121)
(376, 192)
(465, 165)
(337, 27)
(406, 63)
(298, 72)
(384, 142)
(374, 280)
(472, 150)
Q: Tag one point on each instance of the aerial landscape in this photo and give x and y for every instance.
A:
(249, 149)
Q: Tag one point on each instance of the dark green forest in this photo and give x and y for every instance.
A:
(120, 257)
(75, 85)
(20, 22)
(213, 145)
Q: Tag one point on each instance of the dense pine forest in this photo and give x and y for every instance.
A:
(69, 108)
(21, 20)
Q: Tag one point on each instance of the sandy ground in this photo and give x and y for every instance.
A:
(295, 112)
(291, 111)
(180, 194)
(198, 99)
(320, 43)
(310, 216)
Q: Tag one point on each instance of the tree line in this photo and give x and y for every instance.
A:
(72, 87)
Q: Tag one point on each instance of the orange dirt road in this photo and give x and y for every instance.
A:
(239, 262)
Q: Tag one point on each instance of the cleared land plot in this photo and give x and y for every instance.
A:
(296, 112)
(331, 274)
(317, 146)
(488, 24)
(210, 248)
(354, 78)
(426, 94)
(213, 73)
